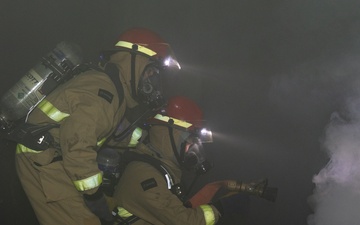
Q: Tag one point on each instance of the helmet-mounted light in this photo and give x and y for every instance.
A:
(170, 62)
(205, 135)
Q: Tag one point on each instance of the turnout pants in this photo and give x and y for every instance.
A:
(51, 193)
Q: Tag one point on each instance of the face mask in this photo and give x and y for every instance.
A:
(149, 89)
(194, 157)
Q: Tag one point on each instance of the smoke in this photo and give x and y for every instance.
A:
(328, 90)
(313, 89)
(336, 198)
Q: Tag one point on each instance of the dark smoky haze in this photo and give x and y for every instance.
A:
(277, 79)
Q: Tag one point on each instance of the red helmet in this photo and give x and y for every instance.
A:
(149, 43)
(183, 111)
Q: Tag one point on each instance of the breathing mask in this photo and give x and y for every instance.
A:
(150, 87)
(194, 155)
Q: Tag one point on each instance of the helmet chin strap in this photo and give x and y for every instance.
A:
(133, 80)
(173, 145)
(179, 158)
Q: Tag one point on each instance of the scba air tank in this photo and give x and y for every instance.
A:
(52, 69)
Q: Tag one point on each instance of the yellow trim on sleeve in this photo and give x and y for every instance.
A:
(208, 214)
(88, 183)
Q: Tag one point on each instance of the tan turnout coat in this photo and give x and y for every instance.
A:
(91, 102)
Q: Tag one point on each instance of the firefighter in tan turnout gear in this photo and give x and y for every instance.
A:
(150, 190)
(147, 192)
(62, 182)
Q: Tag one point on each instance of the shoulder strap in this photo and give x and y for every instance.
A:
(113, 72)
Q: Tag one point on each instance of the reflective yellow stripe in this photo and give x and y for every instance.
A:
(88, 183)
(51, 111)
(136, 135)
(141, 48)
(81, 185)
(208, 214)
(22, 149)
(123, 212)
(176, 121)
(101, 142)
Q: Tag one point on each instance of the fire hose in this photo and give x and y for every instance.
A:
(207, 193)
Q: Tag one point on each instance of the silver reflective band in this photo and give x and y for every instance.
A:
(140, 48)
(168, 181)
(168, 178)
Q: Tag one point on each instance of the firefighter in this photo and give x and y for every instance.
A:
(62, 182)
(149, 190)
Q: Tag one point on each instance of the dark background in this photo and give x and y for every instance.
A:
(269, 75)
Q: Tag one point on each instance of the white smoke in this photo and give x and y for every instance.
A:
(319, 87)
(336, 198)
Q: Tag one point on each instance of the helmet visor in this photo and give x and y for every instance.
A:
(170, 60)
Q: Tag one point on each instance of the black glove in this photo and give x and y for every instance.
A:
(98, 205)
(233, 208)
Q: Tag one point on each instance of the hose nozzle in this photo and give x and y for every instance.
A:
(259, 188)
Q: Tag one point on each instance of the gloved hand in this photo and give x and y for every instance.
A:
(98, 205)
(233, 208)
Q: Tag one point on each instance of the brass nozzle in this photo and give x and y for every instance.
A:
(258, 188)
